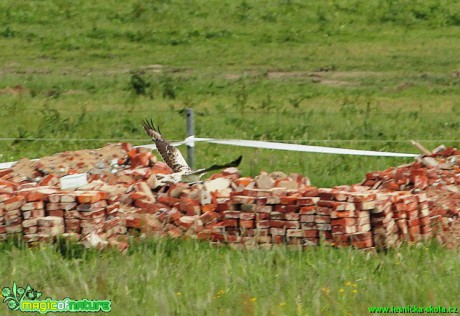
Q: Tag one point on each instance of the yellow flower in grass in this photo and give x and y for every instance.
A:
(325, 290)
(341, 290)
(253, 299)
(282, 304)
(178, 293)
(348, 283)
(354, 291)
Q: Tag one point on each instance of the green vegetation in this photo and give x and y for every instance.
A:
(169, 277)
(355, 74)
(345, 73)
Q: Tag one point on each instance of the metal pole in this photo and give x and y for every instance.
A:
(190, 132)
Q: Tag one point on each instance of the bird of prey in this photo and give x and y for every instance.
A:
(174, 159)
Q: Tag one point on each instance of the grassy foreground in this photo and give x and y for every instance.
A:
(167, 277)
(353, 74)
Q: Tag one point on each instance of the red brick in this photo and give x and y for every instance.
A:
(308, 210)
(306, 201)
(247, 215)
(288, 200)
(189, 206)
(426, 229)
(87, 207)
(185, 222)
(294, 233)
(310, 233)
(340, 239)
(324, 211)
(247, 224)
(61, 206)
(363, 243)
(262, 216)
(138, 195)
(243, 181)
(50, 221)
(141, 160)
(278, 215)
(328, 204)
(340, 214)
(173, 231)
(263, 223)
(49, 180)
(161, 168)
(11, 215)
(343, 221)
(365, 205)
(277, 238)
(323, 226)
(13, 229)
(13, 203)
(413, 222)
(307, 218)
(263, 208)
(208, 208)
(277, 223)
(241, 199)
(309, 226)
(230, 222)
(134, 222)
(204, 235)
(35, 213)
(292, 224)
(58, 213)
(7, 183)
(35, 196)
(292, 216)
(93, 214)
(424, 221)
(232, 214)
(89, 197)
(309, 242)
(169, 215)
(414, 230)
(344, 229)
(322, 219)
(151, 207)
(5, 172)
(209, 217)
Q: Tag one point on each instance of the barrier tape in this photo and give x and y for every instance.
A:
(191, 140)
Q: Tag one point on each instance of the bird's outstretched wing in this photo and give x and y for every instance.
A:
(234, 163)
(171, 155)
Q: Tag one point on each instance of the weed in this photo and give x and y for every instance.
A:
(140, 85)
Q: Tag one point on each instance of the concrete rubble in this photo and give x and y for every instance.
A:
(123, 197)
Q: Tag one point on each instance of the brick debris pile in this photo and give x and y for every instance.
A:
(124, 196)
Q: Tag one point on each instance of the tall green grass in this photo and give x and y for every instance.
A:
(169, 277)
(354, 74)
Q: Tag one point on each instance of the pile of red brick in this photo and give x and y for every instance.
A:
(389, 207)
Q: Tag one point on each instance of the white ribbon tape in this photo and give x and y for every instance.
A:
(302, 148)
(190, 141)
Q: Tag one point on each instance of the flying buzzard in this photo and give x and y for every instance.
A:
(174, 159)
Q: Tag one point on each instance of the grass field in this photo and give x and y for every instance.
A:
(353, 74)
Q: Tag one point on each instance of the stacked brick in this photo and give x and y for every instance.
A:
(12, 214)
(390, 207)
(437, 175)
